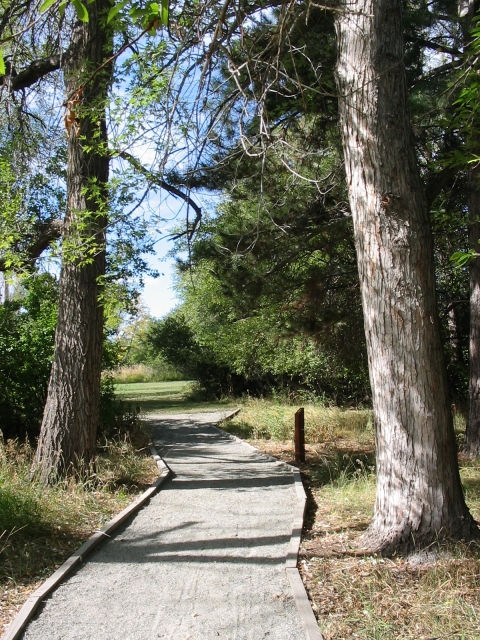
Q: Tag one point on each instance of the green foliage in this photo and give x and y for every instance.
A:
(157, 371)
(177, 343)
(30, 201)
(271, 288)
(462, 258)
(11, 199)
(27, 329)
(27, 333)
(136, 360)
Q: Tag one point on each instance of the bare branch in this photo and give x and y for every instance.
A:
(156, 178)
(34, 72)
(43, 238)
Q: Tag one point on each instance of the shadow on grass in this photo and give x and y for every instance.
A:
(165, 397)
(337, 467)
(239, 428)
(30, 546)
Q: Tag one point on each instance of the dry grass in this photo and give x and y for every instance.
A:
(270, 420)
(41, 526)
(431, 596)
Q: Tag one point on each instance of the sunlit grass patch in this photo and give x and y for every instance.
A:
(267, 419)
(167, 397)
(141, 373)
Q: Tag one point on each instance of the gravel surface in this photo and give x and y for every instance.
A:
(203, 560)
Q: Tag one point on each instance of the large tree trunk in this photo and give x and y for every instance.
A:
(70, 421)
(472, 444)
(419, 495)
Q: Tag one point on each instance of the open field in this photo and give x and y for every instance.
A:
(143, 373)
(166, 397)
(431, 596)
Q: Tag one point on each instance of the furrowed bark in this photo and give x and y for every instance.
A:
(419, 495)
(68, 433)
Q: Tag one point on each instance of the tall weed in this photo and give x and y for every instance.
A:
(267, 419)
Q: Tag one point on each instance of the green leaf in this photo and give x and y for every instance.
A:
(81, 9)
(164, 14)
(46, 5)
(136, 12)
(2, 64)
(154, 8)
(116, 9)
(61, 8)
(462, 258)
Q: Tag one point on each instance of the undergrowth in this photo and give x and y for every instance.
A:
(267, 419)
(144, 373)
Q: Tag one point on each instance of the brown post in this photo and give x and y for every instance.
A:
(300, 436)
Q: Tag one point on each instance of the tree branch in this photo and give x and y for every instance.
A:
(438, 71)
(435, 46)
(156, 178)
(36, 70)
(46, 234)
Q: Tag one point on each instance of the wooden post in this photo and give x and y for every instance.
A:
(300, 436)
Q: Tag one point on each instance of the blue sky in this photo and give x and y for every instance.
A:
(158, 294)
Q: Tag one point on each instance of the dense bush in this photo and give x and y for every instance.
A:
(27, 334)
(27, 331)
(232, 358)
(139, 360)
(174, 339)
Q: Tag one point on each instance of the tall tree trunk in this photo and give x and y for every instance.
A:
(419, 495)
(70, 421)
(472, 444)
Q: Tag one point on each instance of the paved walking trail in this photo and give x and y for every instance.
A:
(203, 560)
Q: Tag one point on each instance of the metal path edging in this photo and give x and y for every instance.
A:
(304, 608)
(18, 624)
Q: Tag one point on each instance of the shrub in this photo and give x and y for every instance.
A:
(27, 332)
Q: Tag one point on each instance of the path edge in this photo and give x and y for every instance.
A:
(26, 613)
(302, 602)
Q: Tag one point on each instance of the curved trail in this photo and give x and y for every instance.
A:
(203, 560)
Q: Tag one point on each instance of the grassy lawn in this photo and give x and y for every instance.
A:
(166, 397)
(432, 596)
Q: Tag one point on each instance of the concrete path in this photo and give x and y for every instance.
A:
(203, 560)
